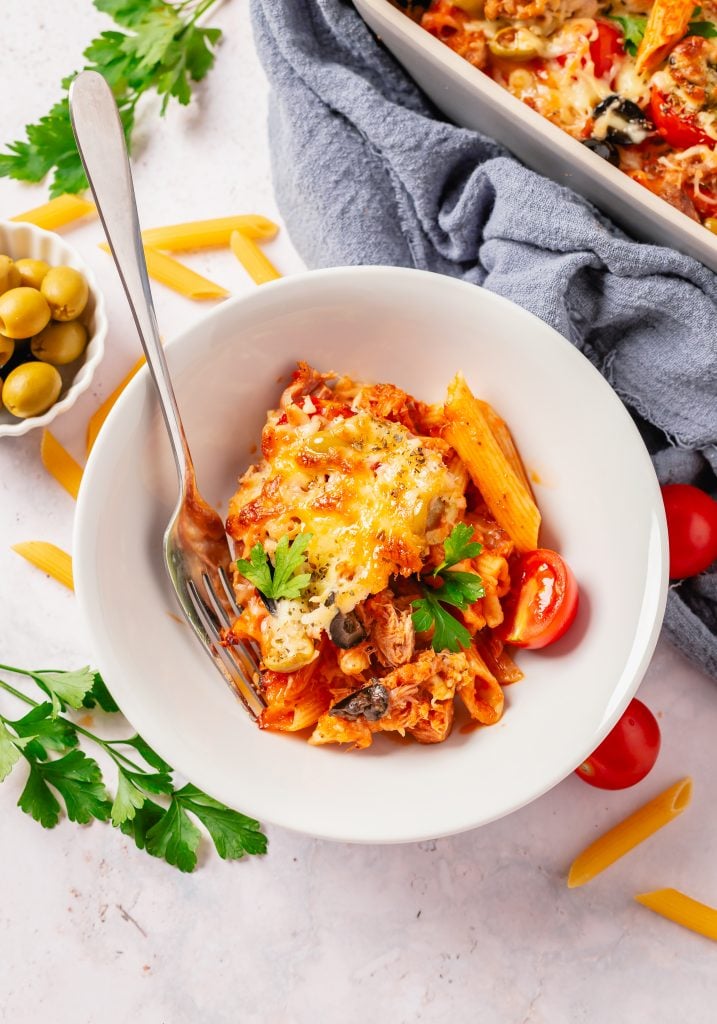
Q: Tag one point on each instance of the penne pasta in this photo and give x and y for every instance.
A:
(57, 212)
(179, 278)
(99, 416)
(256, 264)
(207, 234)
(59, 463)
(683, 910)
(508, 499)
(625, 836)
(505, 439)
(49, 559)
(666, 25)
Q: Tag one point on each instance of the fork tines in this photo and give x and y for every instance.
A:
(238, 662)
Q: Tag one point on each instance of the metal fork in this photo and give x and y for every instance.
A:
(196, 550)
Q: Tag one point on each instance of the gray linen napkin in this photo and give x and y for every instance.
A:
(367, 172)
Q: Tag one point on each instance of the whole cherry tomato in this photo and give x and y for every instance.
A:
(675, 124)
(627, 753)
(543, 601)
(606, 47)
(691, 529)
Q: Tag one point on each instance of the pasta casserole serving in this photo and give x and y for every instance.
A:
(634, 80)
(388, 552)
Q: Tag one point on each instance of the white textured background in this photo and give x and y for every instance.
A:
(475, 928)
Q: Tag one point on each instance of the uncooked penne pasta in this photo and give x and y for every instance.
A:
(629, 833)
(59, 463)
(57, 212)
(207, 234)
(666, 25)
(508, 499)
(178, 277)
(99, 416)
(683, 910)
(48, 558)
(256, 264)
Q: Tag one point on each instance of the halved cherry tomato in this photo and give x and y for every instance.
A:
(675, 124)
(691, 529)
(627, 753)
(607, 46)
(543, 601)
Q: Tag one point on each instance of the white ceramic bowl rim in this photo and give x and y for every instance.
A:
(646, 615)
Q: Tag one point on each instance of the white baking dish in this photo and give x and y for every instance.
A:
(473, 100)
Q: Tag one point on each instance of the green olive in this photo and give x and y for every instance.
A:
(7, 347)
(9, 274)
(31, 389)
(23, 312)
(66, 292)
(32, 272)
(60, 343)
(514, 43)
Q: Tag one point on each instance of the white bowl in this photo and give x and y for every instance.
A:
(25, 241)
(600, 502)
(472, 99)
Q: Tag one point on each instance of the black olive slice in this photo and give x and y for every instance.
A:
(606, 150)
(370, 703)
(346, 630)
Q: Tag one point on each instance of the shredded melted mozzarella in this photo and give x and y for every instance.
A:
(362, 487)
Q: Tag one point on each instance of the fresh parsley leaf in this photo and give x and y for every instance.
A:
(162, 48)
(457, 589)
(45, 731)
(287, 558)
(99, 694)
(257, 569)
(78, 779)
(460, 589)
(66, 687)
(234, 834)
(9, 751)
(37, 800)
(449, 634)
(175, 838)
(458, 545)
(142, 747)
(706, 29)
(143, 820)
(633, 29)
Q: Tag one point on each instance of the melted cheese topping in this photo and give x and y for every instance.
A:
(366, 490)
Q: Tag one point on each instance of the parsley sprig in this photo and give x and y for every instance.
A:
(457, 590)
(278, 580)
(162, 829)
(162, 49)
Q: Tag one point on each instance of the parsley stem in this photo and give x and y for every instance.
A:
(105, 744)
(13, 691)
(21, 672)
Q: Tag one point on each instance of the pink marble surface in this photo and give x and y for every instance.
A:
(480, 927)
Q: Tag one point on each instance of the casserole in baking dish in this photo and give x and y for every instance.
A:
(472, 98)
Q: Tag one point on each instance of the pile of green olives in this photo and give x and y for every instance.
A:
(40, 329)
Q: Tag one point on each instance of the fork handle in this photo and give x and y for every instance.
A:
(101, 144)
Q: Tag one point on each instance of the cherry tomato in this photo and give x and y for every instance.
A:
(691, 529)
(543, 602)
(607, 46)
(627, 753)
(676, 125)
